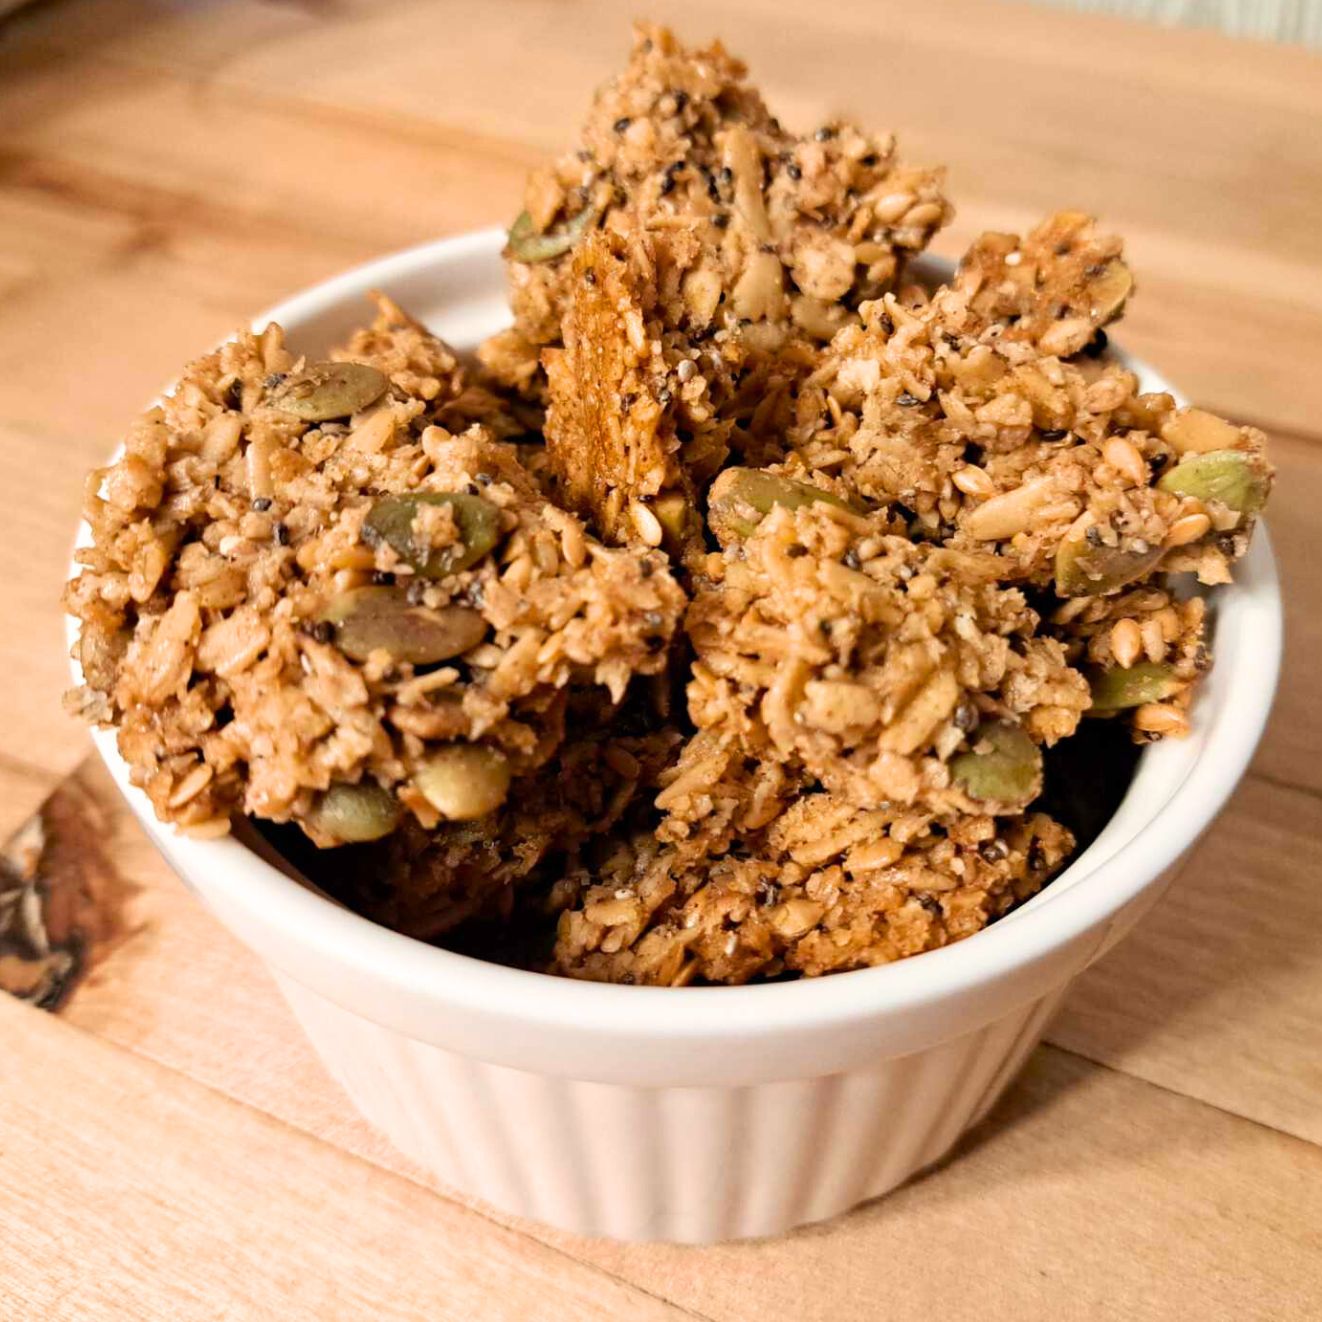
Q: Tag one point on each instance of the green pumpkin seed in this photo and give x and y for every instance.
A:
(382, 618)
(390, 520)
(353, 814)
(741, 497)
(464, 781)
(527, 245)
(1084, 570)
(322, 391)
(1118, 689)
(1007, 771)
(675, 515)
(1229, 477)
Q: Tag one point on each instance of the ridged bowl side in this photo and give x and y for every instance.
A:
(692, 1165)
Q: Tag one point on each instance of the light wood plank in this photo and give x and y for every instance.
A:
(1218, 993)
(1290, 748)
(130, 251)
(161, 1199)
(22, 790)
(37, 521)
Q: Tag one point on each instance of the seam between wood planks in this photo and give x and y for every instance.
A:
(1174, 1092)
(1280, 783)
(32, 770)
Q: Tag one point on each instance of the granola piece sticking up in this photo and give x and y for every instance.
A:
(300, 581)
(890, 671)
(760, 225)
(826, 887)
(632, 432)
(1144, 653)
(1053, 290)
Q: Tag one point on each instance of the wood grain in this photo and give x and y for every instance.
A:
(166, 170)
(1218, 993)
(161, 1199)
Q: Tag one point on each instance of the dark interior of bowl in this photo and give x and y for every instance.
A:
(1087, 777)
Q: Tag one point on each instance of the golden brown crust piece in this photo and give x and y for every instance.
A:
(619, 391)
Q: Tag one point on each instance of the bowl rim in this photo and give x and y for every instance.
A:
(398, 965)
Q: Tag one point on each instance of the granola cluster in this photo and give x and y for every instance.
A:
(733, 618)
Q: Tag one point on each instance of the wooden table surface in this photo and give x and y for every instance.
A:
(169, 1148)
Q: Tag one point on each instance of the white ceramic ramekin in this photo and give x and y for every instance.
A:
(700, 1114)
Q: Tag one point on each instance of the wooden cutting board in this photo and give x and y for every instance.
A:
(171, 1149)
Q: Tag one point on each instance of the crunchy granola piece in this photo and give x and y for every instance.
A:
(1143, 652)
(1069, 474)
(632, 431)
(425, 367)
(827, 886)
(300, 580)
(1053, 290)
(872, 661)
(766, 226)
(714, 794)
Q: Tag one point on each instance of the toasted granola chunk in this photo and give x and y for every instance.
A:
(440, 878)
(826, 887)
(300, 579)
(876, 663)
(754, 223)
(1053, 290)
(1062, 468)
